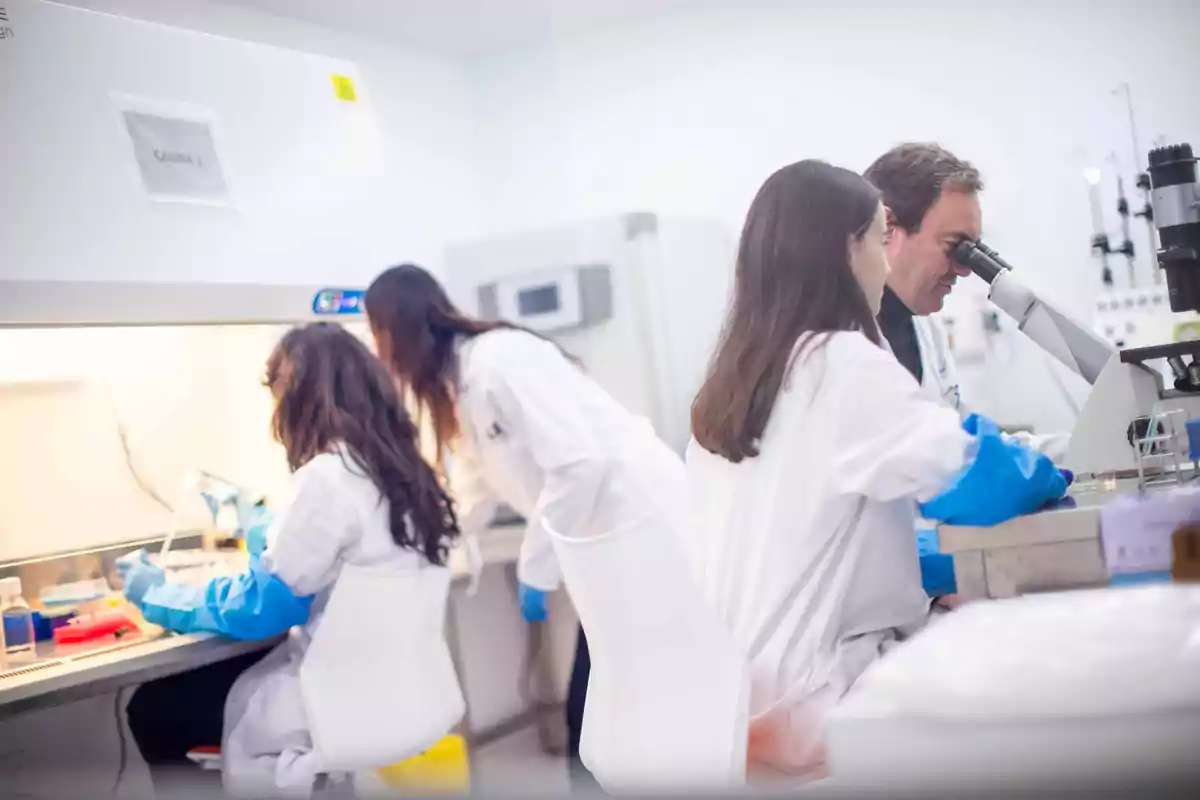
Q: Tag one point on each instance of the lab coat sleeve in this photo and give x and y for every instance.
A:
(891, 441)
(276, 591)
(533, 390)
(322, 521)
(255, 604)
(475, 503)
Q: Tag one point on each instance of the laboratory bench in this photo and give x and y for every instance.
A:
(1057, 548)
(66, 673)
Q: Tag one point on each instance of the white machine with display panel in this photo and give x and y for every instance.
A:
(551, 300)
(637, 298)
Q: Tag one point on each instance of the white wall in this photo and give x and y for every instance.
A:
(421, 103)
(688, 113)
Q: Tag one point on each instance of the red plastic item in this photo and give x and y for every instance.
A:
(97, 626)
(207, 757)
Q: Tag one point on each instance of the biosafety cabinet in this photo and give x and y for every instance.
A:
(639, 298)
(113, 394)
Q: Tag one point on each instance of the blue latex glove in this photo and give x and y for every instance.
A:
(1006, 479)
(937, 568)
(253, 605)
(533, 603)
(138, 575)
(254, 529)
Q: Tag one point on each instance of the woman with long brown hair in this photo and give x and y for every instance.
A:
(364, 497)
(812, 449)
(527, 427)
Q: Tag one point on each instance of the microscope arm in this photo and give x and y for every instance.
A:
(1082, 351)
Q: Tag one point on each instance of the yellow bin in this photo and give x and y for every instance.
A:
(442, 769)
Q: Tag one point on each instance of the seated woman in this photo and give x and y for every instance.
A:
(814, 448)
(364, 496)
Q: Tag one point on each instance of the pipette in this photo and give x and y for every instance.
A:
(191, 482)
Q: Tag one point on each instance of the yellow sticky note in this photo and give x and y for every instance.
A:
(343, 87)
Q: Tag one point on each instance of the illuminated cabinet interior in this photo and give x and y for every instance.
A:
(181, 397)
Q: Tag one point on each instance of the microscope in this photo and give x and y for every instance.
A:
(1132, 423)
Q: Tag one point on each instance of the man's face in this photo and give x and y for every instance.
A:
(923, 272)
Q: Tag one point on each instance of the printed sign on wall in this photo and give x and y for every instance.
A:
(6, 31)
(176, 153)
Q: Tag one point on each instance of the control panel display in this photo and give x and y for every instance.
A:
(538, 300)
(333, 302)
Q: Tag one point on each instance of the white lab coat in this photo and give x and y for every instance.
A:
(541, 436)
(807, 550)
(337, 518)
(939, 381)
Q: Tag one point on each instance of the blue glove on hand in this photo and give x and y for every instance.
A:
(254, 529)
(1005, 479)
(138, 575)
(937, 568)
(533, 603)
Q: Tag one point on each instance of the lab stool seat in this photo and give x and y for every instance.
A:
(1070, 690)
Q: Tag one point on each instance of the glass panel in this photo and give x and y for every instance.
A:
(179, 398)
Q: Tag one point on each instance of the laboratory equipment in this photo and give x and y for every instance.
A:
(561, 299)
(93, 627)
(638, 298)
(1127, 249)
(1176, 201)
(1101, 243)
(219, 495)
(1129, 401)
(20, 640)
(1143, 179)
(68, 594)
(46, 622)
(1052, 330)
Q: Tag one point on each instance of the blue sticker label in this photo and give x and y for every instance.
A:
(338, 301)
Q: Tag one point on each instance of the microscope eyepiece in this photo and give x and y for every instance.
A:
(980, 259)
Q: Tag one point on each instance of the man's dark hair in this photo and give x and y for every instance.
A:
(912, 176)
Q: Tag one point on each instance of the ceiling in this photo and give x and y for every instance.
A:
(460, 27)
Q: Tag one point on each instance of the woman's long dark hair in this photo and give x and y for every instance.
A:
(331, 390)
(416, 327)
(792, 280)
